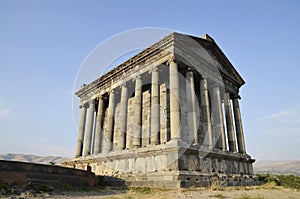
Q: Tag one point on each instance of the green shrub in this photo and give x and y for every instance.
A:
(41, 188)
(3, 188)
(267, 178)
(287, 181)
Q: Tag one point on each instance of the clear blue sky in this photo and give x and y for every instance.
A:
(43, 43)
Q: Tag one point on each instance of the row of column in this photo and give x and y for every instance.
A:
(213, 130)
(119, 140)
(212, 118)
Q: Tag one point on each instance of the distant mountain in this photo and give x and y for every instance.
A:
(278, 167)
(33, 158)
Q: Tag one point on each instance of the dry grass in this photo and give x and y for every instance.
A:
(246, 196)
(217, 190)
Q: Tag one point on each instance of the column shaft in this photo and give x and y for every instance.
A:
(89, 130)
(99, 130)
(239, 126)
(155, 123)
(174, 101)
(229, 124)
(206, 120)
(122, 121)
(110, 123)
(81, 130)
(218, 122)
(138, 112)
(191, 106)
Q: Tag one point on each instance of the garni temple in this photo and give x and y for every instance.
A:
(167, 117)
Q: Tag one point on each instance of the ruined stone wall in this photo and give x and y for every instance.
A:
(24, 174)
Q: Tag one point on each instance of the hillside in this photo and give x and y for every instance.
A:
(33, 158)
(278, 167)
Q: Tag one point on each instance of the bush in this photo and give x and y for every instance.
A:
(287, 181)
(41, 188)
(3, 189)
(267, 178)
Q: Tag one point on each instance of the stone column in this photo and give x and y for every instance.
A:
(174, 101)
(89, 130)
(239, 126)
(99, 130)
(110, 123)
(206, 121)
(155, 123)
(122, 121)
(218, 122)
(81, 130)
(191, 105)
(229, 123)
(138, 112)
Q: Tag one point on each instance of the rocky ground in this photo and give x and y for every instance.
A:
(190, 193)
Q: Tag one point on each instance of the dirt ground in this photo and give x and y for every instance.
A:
(240, 193)
(243, 193)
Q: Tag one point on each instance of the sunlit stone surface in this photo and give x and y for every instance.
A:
(168, 117)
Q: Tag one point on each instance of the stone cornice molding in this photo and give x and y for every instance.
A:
(146, 56)
(161, 51)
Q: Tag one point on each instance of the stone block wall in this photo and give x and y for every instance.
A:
(23, 174)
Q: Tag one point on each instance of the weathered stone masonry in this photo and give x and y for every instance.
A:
(168, 117)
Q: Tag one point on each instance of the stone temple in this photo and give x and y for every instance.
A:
(167, 117)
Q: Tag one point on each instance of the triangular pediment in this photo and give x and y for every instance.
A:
(206, 56)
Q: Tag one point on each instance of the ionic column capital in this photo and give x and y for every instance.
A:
(111, 91)
(172, 60)
(85, 105)
(154, 68)
(236, 96)
(124, 84)
(100, 97)
(139, 76)
(92, 101)
(190, 70)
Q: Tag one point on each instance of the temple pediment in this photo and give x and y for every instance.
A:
(207, 54)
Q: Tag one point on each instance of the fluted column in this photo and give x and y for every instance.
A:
(81, 130)
(137, 112)
(123, 117)
(191, 105)
(89, 130)
(110, 123)
(155, 123)
(239, 126)
(99, 130)
(206, 121)
(229, 123)
(218, 122)
(174, 101)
